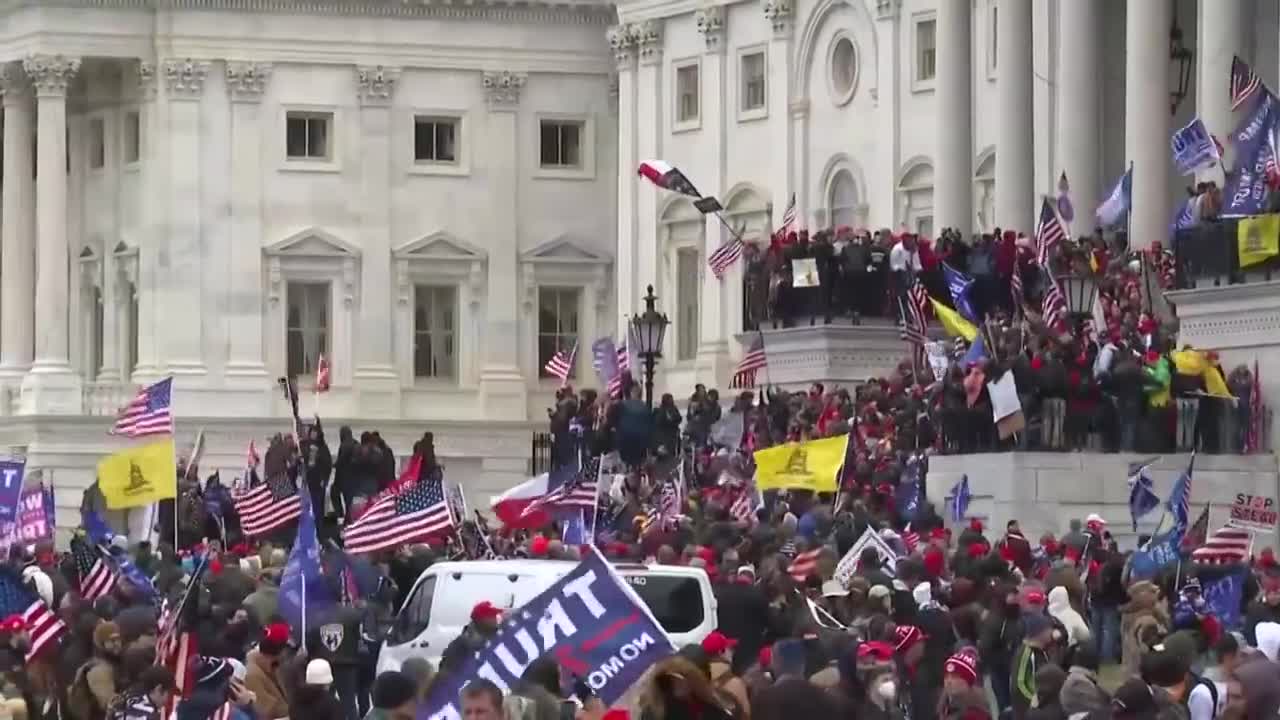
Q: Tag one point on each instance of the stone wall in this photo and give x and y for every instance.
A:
(1044, 491)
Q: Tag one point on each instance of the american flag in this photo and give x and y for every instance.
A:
(804, 565)
(1243, 82)
(322, 374)
(416, 512)
(268, 506)
(97, 576)
(621, 362)
(1049, 232)
(743, 508)
(1053, 307)
(1198, 533)
(724, 257)
(575, 489)
(915, 321)
(753, 360)
(1015, 287)
(1226, 545)
(788, 220)
(148, 413)
(176, 646)
(42, 624)
(561, 364)
(910, 539)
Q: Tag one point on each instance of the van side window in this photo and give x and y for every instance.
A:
(415, 614)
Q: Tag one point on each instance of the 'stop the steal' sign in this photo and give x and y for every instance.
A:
(591, 622)
(1254, 512)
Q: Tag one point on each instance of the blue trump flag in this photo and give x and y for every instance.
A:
(304, 593)
(1159, 551)
(1223, 597)
(1246, 187)
(1193, 148)
(590, 622)
(11, 473)
(960, 499)
(960, 285)
(1142, 495)
(575, 529)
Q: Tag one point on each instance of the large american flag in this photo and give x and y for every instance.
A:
(753, 360)
(416, 512)
(97, 576)
(1049, 232)
(723, 257)
(575, 489)
(268, 506)
(561, 364)
(1053, 306)
(1225, 545)
(16, 598)
(1244, 82)
(148, 413)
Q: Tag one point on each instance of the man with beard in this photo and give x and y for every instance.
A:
(95, 684)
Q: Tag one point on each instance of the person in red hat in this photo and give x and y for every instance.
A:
(485, 618)
(720, 650)
(962, 693)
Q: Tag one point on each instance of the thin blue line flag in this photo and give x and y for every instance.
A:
(1142, 494)
(590, 622)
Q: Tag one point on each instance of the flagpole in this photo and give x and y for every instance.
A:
(767, 380)
(173, 427)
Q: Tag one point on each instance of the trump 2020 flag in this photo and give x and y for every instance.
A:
(960, 286)
(11, 473)
(1193, 148)
(590, 622)
(1246, 187)
(304, 594)
(1222, 596)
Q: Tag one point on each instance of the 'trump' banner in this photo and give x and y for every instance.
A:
(34, 520)
(590, 621)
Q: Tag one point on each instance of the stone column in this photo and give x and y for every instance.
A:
(650, 124)
(624, 54)
(1146, 118)
(1015, 151)
(51, 387)
(780, 16)
(502, 384)
(375, 380)
(17, 251)
(1222, 31)
(798, 116)
(154, 218)
(953, 186)
(246, 84)
(1079, 108)
(713, 332)
(182, 329)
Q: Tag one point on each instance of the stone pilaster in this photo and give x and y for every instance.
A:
(18, 249)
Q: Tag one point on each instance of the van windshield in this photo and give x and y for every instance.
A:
(675, 601)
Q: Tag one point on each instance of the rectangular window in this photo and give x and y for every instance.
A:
(687, 295)
(435, 333)
(752, 67)
(435, 140)
(687, 94)
(307, 324)
(97, 143)
(132, 137)
(926, 50)
(308, 135)
(561, 144)
(557, 323)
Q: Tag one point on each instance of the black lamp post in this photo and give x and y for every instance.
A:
(1080, 290)
(648, 329)
(1183, 59)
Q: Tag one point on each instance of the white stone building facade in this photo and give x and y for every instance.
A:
(223, 191)
(883, 113)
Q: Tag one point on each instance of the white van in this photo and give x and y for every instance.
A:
(439, 606)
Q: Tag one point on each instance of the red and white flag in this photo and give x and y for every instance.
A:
(1226, 545)
(322, 375)
(804, 565)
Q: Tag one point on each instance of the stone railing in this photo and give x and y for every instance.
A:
(106, 398)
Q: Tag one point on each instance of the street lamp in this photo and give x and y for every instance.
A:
(1080, 290)
(648, 329)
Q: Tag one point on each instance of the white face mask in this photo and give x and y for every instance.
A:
(888, 690)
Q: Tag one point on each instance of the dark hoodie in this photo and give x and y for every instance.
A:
(315, 702)
(343, 477)
(319, 465)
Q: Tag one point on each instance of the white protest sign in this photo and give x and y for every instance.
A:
(848, 564)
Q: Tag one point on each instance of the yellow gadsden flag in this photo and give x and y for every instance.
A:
(139, 476)
(1258, 239)
(953, 322)
(811, 465)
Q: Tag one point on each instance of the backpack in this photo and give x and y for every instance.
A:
(1197, 680)
(80, 700)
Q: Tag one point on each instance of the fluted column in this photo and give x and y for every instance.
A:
(51, 387)
(502, 384)
(953, 186)
(183, 312)
(1222, 31)
(17, 246)
(1079, 102)
(1015, 150)
(246, 83)
(713, 340)
(780, 14)
(1146, 118)
(149, 276)
(649, 126)
(622, 42)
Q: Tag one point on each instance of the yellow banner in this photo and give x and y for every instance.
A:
(1258, 239)
(139, 475)
(953, 322)
(811, 465)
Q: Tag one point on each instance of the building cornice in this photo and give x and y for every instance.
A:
(579, 11)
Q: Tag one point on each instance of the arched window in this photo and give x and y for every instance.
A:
(843, 200)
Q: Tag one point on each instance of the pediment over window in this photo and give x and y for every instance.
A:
(564, 250)
(439, 246)
(313, 242)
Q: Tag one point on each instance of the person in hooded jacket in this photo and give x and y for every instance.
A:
(319, 465)
(313, 699)
(340, 492)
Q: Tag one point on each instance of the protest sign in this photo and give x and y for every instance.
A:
(848, 564)
(590, 621)
(11, 474)
(34, 518)
(1254, 512)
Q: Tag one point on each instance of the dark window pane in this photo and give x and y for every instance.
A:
(550, 144)
(423, 140)
(296, 137)
(445, 145)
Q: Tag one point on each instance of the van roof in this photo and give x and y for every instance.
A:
(531, 567)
